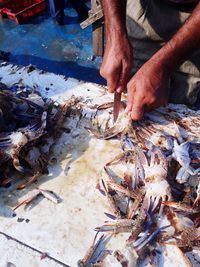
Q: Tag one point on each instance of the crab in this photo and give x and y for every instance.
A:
(181, 154)
(156, 184)
(28, 131)
(12, 143)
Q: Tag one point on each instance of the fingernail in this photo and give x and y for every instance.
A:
(126, 110)
(119, 90)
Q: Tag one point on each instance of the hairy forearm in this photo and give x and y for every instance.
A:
(117, 60)
(182, 44)
(115, 18)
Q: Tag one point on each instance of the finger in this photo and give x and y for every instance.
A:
(112, 81)
(159, 103)
(111, 84)
(131, 93)
(137, 112)
(112, 78)
(125, 72)
(128, 107)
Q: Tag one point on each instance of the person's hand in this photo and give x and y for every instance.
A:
(147, 89)
(117, 63)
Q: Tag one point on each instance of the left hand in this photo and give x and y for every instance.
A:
(148, 89)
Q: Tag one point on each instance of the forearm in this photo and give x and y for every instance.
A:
(117, 60)
(115, 18)
(182, 44)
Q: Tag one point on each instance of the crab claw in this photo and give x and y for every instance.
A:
(17, 165)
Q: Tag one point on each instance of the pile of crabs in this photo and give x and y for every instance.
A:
(29, 125)
(152, 187)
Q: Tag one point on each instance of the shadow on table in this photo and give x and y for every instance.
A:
(80, 70)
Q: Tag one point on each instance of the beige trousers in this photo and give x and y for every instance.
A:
(150, 24)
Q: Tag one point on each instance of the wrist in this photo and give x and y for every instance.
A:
(166, 58)
(116, 31)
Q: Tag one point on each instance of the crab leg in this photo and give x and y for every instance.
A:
(152, 209)
(121, 157)
(151, 237)
(135, 204)
(5, 142)
(127, 142)
(144, 236)
(31, 180)
(119, 226)
(111, 201)
(181, 207)
(28, 200)
(119, 188)
(90, 257)
(90, 251)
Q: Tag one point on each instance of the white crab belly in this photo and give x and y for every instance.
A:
(158, 189)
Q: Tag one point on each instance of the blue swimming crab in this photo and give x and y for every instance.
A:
(181, 154)
(29, 125)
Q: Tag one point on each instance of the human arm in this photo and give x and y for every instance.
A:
(148, 88)
(117, 60)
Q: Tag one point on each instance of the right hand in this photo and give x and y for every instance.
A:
(148, 88)
(117, 63)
